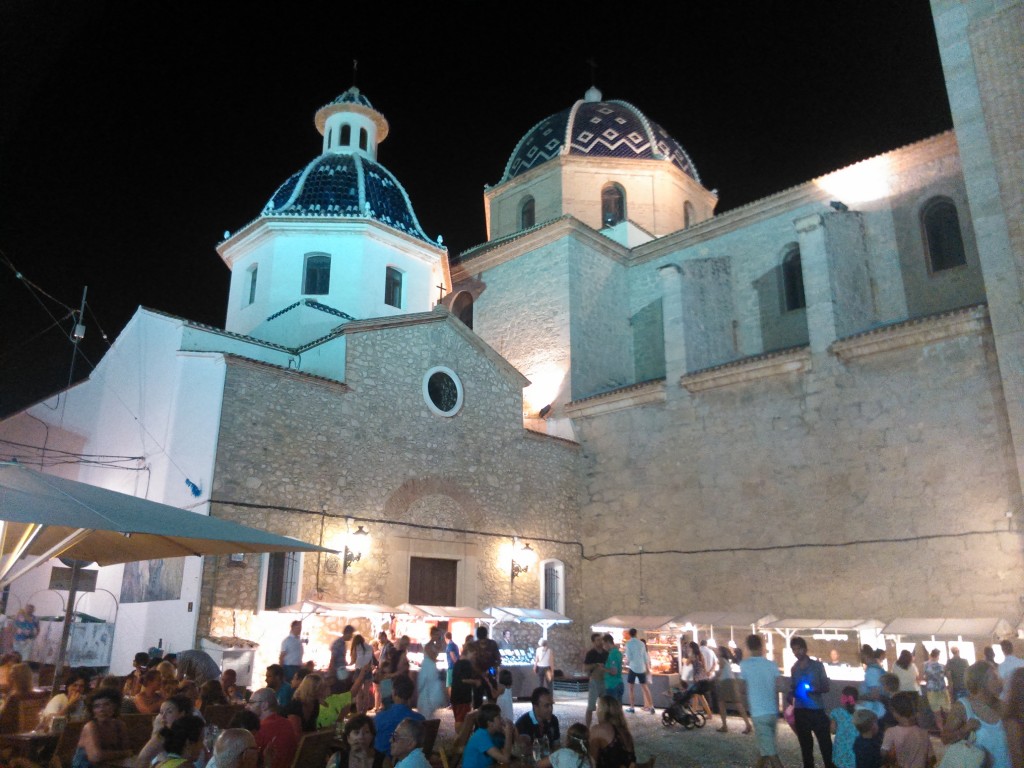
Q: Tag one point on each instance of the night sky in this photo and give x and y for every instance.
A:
(133, 135)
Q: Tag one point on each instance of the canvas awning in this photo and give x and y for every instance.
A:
(443, 612)
(850, 625)
(642, 623)
(542, 617)
(348, 610)
(724, 619)
(44, 516)
(949, 628)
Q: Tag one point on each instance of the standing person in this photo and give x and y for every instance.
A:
(637, 661)
(700, 685)
(451, 652)
(26, 630)
(844, 730)
(956, 673)
(544, 665)
(871, 693)
(867, 747)
(465, 682)
(1008, 665)
(907, 744)
(980, 712)
(613, 669)
(506, 641)
(761, 676)
(710, 659)
(362, 662)
(430, 695)
(593, 665)
(337, 668)
(935, 687)
(1013, 719)
(730, 690)
(906, 670)
(488, 657)
(809, 682)
(291, 651)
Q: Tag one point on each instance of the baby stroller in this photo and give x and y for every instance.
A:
(680, 711)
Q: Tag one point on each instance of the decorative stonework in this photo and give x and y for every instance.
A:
(749, 369)
(618, 399)
(926, 330)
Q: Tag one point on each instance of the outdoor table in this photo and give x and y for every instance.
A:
(35, 746)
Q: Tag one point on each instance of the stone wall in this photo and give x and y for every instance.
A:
(908, 440)
(310, 453)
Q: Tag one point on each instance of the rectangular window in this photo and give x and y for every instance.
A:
(252, 283)
(317, 278)
(393, 288)
(282, 573)
(432, 581)
(552, 587)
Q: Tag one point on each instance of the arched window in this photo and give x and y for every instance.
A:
(942, 238)
(253, 273)
(393, 287)
(793, 279)
(526, 214)
(688, 215)
(462, 308)
(552, 585)
(317, 278)
(330, 137)
(346, 135)
(363, 138)
(613, 204)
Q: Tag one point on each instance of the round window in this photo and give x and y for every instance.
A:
(442, 391)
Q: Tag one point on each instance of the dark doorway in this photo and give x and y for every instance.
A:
(432, 581)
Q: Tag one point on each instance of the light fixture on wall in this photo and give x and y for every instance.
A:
(522, 558)
(352, 554)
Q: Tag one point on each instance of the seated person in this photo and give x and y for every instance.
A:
(71, 703)
(211, 693)
(304, 708)
(482, 749)
(358, 740)
(104, 738)
(183, 743)
(149, 698)
(574, 753)
(19, 689)
(170, 710)
(539, 722)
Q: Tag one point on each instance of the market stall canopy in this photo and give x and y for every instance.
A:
(308, 607)
(442, 612)
(46, 516)
(724, 619)
(987, 627)
(852, 625)
(544, 618)
(641, 623)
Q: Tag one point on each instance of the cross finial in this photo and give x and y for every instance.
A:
(440, 292)
(355, 66)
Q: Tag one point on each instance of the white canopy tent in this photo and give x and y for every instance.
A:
(542, 617)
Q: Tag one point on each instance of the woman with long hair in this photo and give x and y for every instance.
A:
(701, 684)
(1013, 719)
(611, 743)
(170, 710)
(211, 693)
(361, 658)
(147, 701)
(70, 703)
(104, 738)
(358, 739)
(906, 670)
(20, 689)
(304, 707)
(980, 711)
(574, 752)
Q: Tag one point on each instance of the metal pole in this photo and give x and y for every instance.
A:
(65, 634)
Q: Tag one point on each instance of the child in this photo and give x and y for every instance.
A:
(890, 687)
(503, 694)
(867, 748)
(574, 754)
(907, 744)
(843, 729)
(482, 749)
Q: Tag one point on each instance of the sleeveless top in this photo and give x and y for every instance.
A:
(615, 755)
(991, 737)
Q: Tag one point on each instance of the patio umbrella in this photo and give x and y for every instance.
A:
(44, 516)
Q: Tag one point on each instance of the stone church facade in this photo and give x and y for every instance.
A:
(810, 405)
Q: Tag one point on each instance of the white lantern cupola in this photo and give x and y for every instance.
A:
(350, 124)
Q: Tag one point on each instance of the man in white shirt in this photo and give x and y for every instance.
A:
(710, 659)
(1008, 666)
(637, 661)
(291, 651)
(761, 676)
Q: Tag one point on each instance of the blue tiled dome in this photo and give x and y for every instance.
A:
(597, 128)
(352, 96)
(346, 186)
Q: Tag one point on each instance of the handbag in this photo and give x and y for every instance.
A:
(963, 754)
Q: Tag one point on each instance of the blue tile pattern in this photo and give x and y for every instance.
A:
(597, 129)
(346, 185)
(352, 96)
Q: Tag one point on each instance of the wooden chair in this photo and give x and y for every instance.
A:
(140, 728)
(314, 749)
(67, 742)
(30, 711)
(221, 715)
(430, 729)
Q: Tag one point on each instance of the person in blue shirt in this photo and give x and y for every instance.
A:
(809, 683)
(482, 749)
(403, 691)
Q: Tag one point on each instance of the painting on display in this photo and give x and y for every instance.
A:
(151, 580)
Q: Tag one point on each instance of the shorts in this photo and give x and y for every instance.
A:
(637, 677)
(615, 691)
(448, 678)
(938, 700)
(764, 733)
(460, 711)
(595, 690)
